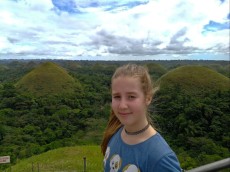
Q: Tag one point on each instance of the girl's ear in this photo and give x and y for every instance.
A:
(148, 100)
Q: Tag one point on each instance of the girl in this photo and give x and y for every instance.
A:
(130, 143)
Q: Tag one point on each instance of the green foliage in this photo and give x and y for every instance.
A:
(191, 109)
(193, 114)
(32, 124)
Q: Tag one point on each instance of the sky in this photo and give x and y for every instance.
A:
(115, 29)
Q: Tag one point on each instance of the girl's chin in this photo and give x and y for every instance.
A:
(125, 119)
(125, 122)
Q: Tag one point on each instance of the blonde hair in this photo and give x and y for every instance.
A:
(129, 70)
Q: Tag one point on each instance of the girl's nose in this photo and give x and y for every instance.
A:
(123, 104)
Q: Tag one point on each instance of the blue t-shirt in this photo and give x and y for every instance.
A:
(152, 155)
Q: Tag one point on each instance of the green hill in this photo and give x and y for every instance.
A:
(225, 70)
(48, 78)
(156, 70)
(3, 67)
(63, 159)
(194, 79)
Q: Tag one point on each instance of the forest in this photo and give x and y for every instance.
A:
(48, 104)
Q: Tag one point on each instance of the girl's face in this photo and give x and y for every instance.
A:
(128, 101)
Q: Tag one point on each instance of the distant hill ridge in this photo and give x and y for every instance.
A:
(48, 78)
(194, 79)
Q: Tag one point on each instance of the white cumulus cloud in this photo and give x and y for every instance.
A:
(108, 28)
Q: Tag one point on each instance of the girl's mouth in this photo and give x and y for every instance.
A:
(124, 114)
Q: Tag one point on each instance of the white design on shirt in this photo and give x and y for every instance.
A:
(106, 155)
(131, 168)
(115, 163)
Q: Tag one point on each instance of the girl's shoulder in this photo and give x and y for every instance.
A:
(157, 146)
(161, 154)
(155, 143)
(154, 151)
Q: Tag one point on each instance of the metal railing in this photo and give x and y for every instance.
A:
(213, 167)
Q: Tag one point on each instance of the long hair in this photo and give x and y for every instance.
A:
(129, 70)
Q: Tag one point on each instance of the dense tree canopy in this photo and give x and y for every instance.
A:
(195, 126)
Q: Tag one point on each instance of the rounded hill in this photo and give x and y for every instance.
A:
(48, 78)
(3, 67)
(156, 70)
(194, 79)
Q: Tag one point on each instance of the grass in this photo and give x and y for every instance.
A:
(67, 159)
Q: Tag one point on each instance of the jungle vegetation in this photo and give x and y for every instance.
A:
(46, 105)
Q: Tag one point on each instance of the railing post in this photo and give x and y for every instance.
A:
(38, 167)
(84, 159)
(32, 166)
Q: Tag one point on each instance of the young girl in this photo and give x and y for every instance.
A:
(130, 143)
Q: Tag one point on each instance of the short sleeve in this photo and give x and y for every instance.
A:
(169, 163)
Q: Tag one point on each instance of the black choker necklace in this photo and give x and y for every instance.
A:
(138, 132)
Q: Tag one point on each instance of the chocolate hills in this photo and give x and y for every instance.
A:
(48, 78)
(156, 70)
(194, 80)
(3, 67)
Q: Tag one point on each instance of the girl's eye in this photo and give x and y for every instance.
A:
(131, 97)
(116, 97)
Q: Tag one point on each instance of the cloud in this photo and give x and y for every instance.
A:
(131, 28)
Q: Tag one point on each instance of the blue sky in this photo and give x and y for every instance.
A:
(114, 29)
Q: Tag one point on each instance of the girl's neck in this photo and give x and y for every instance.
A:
(137, 131)
(139, 138)
(137, 126)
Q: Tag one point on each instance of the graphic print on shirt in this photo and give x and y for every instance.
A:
(115, 163)
(106, 155)
(131, 168)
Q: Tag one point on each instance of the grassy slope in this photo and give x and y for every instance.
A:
(63, 159)
(47, 78)
(194, 79)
